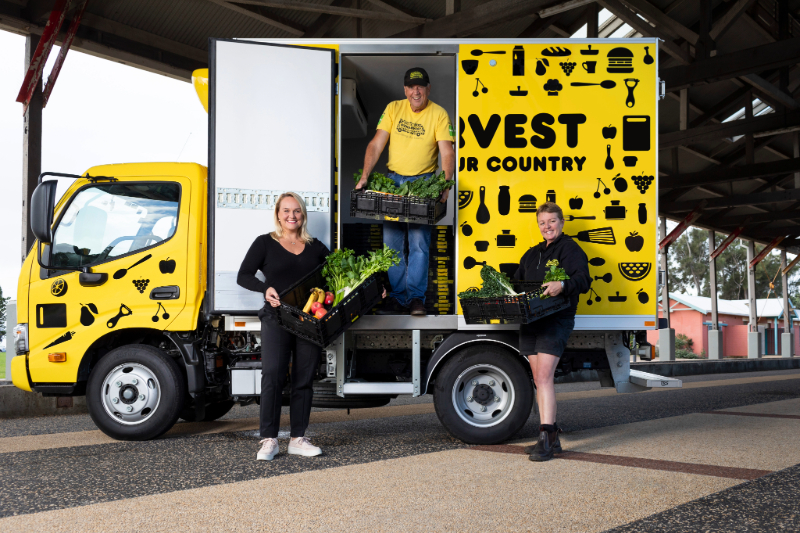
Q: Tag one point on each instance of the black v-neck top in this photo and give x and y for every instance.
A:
(281, 268)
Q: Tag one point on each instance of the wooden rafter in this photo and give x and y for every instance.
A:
(473, 20)
(334, 10)
(273, 20)
(764, 123)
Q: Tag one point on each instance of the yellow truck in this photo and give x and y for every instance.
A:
(129, 294)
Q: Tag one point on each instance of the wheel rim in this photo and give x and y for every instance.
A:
(131, 393)
(483, 395)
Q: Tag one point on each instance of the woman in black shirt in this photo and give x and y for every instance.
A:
(543, 342)
(284, 257)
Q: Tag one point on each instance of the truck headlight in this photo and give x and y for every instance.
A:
(21, 339)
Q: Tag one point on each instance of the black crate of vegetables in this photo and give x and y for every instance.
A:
(290, 316)
(523, 308)
(383, 206)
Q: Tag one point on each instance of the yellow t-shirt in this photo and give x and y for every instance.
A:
(413, 136)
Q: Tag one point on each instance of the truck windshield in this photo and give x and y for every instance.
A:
(106, 221)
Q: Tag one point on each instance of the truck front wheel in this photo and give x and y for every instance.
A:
(483, 395)
(135, 393)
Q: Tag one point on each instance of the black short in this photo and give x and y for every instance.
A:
(548, 335)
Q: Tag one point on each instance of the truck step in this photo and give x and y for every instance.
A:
(654, 381)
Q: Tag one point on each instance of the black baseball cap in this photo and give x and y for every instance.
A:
(416, 76)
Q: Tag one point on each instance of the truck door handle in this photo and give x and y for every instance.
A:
(170, 292)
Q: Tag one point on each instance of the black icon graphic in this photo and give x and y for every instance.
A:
(643, 296)
(506, 240)
(642, 213)
(598, 236)
(466, 229)
(63, 338)
(469, 66)
(609, 132)
(550, 196)
(609, 161)
(606, 190)
(556, 51)
(59, 288)
(509, 269)
(527, 203)
(642, 182)
(518, 92)
(503, 200)
(159, 308)
(630, 160)
(589, 51)
(597, 261)
(634, 242)
(167, 266)
(481, 246)
(484, 90)
(87, 314)
(541, 63)
(140, 284)
(470, 262)
(552, 87)
(482, 216)
(605, 84)
(472, 289)
(615, 211)
(464, 198)
(617, 298)
(636, 133)
(635, 271)
(51, 315)
(124, 310)
(119, 274)
(620, 61)
(567, 67)
(589, 66)
(631, 84)
(518, 61)
(477, 53)
(596, 297)
(605, 277)
(570, 218)
(620, 183)
(648, 59)
(575, 203)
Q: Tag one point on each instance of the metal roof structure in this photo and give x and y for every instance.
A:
(728, 127)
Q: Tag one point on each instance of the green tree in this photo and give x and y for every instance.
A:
(3, 315)
(689, 262)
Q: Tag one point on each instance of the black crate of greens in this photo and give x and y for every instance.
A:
(384, 206)
(290, 316)
(521, 309)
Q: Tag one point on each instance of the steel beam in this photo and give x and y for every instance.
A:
(721, 174)
(284, 25)
(767, 249)
(768, 122)
(62, 53)
(683, 226)
(726, 21)
(31, 148)
(469, 21)
(334, 10)
(735, 201)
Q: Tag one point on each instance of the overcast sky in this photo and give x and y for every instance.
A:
(99, 112)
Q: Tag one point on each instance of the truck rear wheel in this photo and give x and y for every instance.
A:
(135, 393)
(483, 395)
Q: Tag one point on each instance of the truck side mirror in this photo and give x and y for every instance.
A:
(43, 202)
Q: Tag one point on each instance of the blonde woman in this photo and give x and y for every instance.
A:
(284, 257)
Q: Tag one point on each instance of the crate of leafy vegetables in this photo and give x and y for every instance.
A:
(354, 286)
(416, 201)
(502, 301)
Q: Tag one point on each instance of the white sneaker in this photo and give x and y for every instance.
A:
(303, 446)
(269, 448)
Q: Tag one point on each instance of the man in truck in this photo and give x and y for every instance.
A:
(418, 130)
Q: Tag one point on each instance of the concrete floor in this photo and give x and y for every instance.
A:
(720, 454)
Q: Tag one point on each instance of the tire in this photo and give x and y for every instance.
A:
(483, 377)
(139, 377)
(213, 411)
(325, 397)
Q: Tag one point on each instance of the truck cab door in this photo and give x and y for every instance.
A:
(135, 233)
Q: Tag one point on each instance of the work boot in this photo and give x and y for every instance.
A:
(556, 444)
(543, 450)
(392, 307)
(417, 307)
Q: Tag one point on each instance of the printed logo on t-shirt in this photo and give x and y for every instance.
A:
(381, 119)
(450, 130)
(412, 128)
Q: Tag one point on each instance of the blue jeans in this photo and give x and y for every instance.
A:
(409, 279)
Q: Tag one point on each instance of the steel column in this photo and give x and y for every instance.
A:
(715, 349)
(31, 148)
(753, 346)
(665, 267)
(787, 339)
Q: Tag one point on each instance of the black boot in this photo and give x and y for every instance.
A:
(392, 307)
(545, 447)
(556, 443)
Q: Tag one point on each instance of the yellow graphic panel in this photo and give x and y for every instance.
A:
(569, 123)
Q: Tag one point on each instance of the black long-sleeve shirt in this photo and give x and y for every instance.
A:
(570, 256)
(281, 268)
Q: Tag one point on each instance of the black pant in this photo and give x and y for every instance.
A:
(277, 346)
